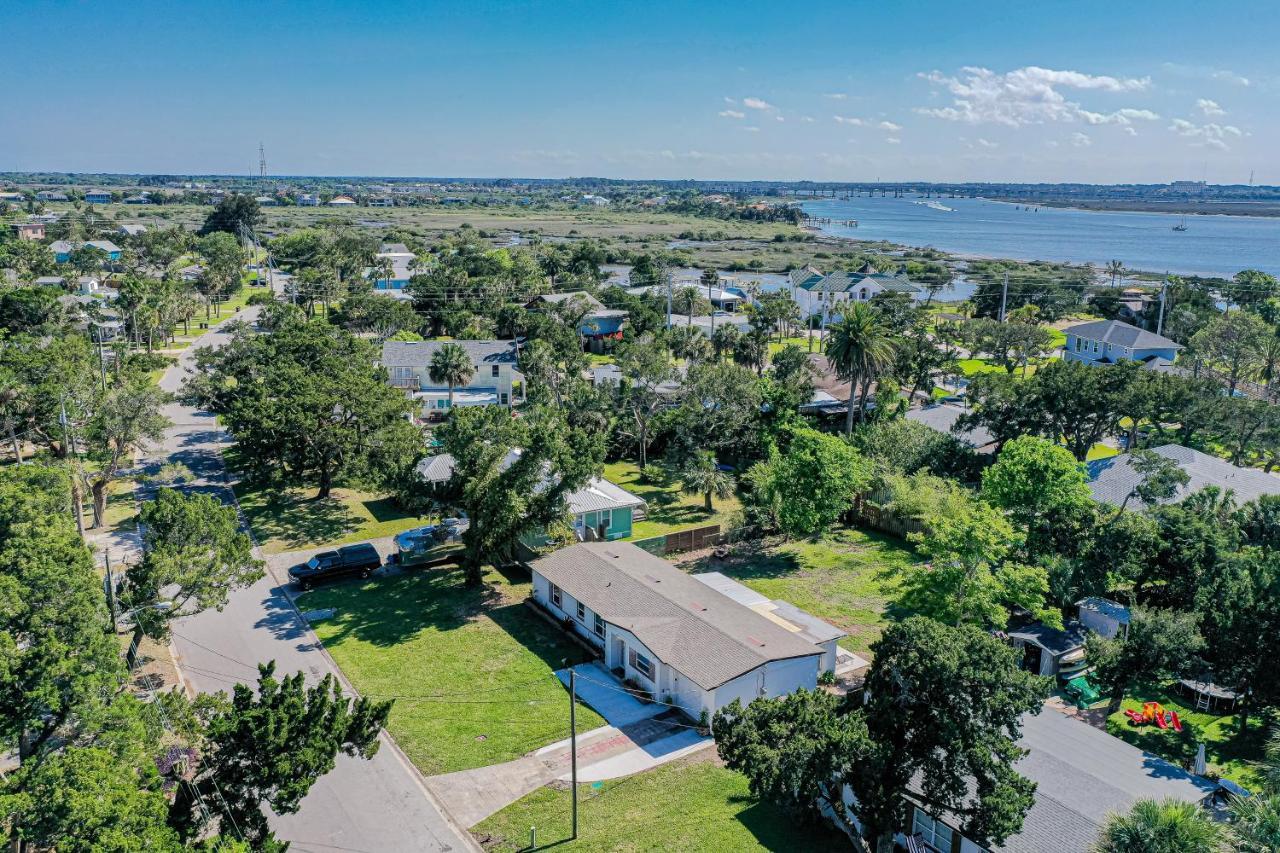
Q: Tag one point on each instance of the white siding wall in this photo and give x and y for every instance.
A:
(776, 678)
(568, 609)
(828, 656)
(482, 378)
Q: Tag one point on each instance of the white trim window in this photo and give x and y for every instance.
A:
(936, 834)
(555, 596)
(643, 665)
(599, 626)
(582, 613)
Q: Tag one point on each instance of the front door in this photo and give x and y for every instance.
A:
(618, 658)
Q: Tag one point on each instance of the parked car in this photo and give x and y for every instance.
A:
(359, 560)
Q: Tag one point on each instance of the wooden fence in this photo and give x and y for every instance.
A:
(681, 540)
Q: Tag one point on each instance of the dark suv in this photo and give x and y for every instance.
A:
(352, 560)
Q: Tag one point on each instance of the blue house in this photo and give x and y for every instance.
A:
(599, 324)
(1110, 341)
(62, 249)
(97, 197)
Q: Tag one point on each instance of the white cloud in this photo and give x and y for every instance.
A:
(892, 140)
(889, 126)
(835, 96)
(807, 119)
(1209, 108)
(856, 122)
(779, 118)
(1030, 95)
(732, 114)
(1211, 135)
(1130, 130)
(1081, 140)
(1052, 143)
(756, 104)
(1205, 72)
(752, 129)
(987, 143)
(730, 101)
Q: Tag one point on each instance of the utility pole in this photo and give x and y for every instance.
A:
(573, 746)
(96, 331)
(667, 273)
(1164, 285)
(1004, 295)
(77, 511)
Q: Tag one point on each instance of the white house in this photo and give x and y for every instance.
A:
(826, 294)
(671, 634)
(308, 200)
(409, 365)
(342, 201)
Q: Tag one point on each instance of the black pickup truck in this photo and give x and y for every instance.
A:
(359, 560)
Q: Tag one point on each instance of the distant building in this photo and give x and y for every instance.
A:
(12, 198)
(51, 195)
(707, 324)
(721, 299)
(408, 364)
(308, 200)
(28, 230)
(1111, 480)
(143, 198)
(595, 200)
(825, 295)
(942, 417)
(599, 326)
(267, 201)
(342, 201)
(401, 262)
(62, 249)
(382, 201)
(97, 197)
(131, 229)
(1110, 341)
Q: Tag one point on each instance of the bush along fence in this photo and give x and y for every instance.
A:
(879, 518)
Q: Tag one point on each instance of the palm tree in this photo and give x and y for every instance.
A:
(702, 476)
(451, 365)
(1116, 270)
(1166, 826)
(860, 349)
(724, 339)
(710, 279)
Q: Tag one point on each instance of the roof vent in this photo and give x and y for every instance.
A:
(652, 578)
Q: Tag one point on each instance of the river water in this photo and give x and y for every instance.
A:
(1211, 245)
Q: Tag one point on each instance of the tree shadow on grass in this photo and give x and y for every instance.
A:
(385, 611)
(385, 509)
(774, 830)
(297, 520)
(549, 643)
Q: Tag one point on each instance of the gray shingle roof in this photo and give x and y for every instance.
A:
(560, 298)
(1082, 774)
(1112, 479)
(419, 353)
(1106, 607)
(1121, 334)
(942, 418)
(706, 636)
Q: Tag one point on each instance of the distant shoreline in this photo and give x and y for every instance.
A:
(1176, 208)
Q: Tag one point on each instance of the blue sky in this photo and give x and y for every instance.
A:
(1053, 91)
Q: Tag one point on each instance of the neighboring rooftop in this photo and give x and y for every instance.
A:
(783, 613)
(1052, 640)
(942, 418)
(419, 353)
(1106, 607)
(1112, 479)
(1122, 335)
(596, 495)
(707, 636)
(1083, 774)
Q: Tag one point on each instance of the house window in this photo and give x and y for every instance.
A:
(1095, 346)
(642, 664)
(582, 613)
(503, 398)
(599, 626)
(1079, 344)
(495, 370)
(935, 833)
(555, 595)
(606, 519)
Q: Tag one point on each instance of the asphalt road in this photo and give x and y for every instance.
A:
(375, 805)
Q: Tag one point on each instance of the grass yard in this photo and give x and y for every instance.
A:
(694, 804)
(668, 510)
(290, 519)
(470, 668)
(122, 505)
(801, 341)
(845, 578)
(1234, 757)
(1101, 451)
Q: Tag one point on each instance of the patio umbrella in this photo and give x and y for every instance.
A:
(1200, 761)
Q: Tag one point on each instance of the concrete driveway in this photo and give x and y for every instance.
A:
(640, 736)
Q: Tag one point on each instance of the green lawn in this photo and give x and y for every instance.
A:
(801, 341)
(1232, 756)
(683, 806)
(420, 635)
(668, 510)
(290, 519)
(845, 577)
(974, 366)
(1101, 451)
